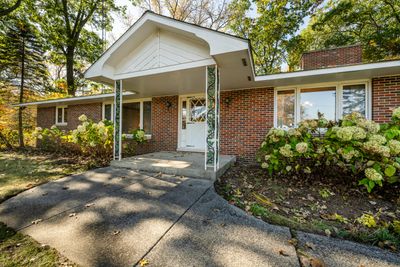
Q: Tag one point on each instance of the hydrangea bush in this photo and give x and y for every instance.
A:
(94, 140)
(355, 149)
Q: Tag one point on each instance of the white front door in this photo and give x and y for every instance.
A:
(193, 123)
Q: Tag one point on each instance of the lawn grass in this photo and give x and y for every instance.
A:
(17, 249)
(20, 171)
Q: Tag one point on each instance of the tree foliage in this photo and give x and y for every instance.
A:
(22, 61)
(375, 24)
(273, 30)
(70, 27)
(6, 8)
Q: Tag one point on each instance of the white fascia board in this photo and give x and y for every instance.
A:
(186, 66)
(343, 69)
(70, 99)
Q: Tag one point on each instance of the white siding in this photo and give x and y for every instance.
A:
(162, 49)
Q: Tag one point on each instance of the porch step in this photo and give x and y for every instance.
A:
(188, 164)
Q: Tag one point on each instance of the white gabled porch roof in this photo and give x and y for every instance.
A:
(159, 55)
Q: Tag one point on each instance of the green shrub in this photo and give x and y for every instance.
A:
(355, 149)
(93, 140)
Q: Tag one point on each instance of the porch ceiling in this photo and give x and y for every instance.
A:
(170, 83)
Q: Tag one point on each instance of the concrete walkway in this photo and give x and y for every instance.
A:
(117, 217)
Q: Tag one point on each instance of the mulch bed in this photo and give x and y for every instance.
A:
(331, 207)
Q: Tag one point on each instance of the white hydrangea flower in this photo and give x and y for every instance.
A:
(85, 124)
(82, 118)
(394, 147)
(369, 125)
(267, 157)
(81, 129)
(396, 113)
(359, 133)
(40, 136)
(92, 144)
(101, 124)
(345, 133)
(293, 132)
(53, 127)
(38, 129)
(376, 148)
(380, 139)
(264, 165)
(373, 175)
(302, 147)
(286, 151)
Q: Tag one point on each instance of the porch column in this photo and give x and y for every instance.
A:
(118, 120)
(212, 129)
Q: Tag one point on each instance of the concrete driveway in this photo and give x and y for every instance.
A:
(117, 217)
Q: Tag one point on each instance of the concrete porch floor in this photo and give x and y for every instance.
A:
(189, 164)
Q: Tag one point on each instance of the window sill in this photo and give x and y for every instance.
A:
(130, 136)
(61, 124)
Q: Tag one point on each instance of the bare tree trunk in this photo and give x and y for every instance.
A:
(21, 97)
(5, 141)
(70, 70)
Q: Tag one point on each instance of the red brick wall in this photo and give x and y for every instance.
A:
(165, 123)
(46, 117)
(385, 97)
(93, 111)
(246, 116)
(331, 57)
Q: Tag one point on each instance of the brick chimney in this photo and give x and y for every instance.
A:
(339, 56)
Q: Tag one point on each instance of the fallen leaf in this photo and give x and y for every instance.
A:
(116, 232)
(44, 194)
(314, 262)
(293, 242)
(328, 232)
(36, 221)
(89, 205)
(283, 253)
(310, 245)
(144, 262)
(72, 215)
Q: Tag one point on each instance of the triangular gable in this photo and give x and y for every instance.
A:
(162, 49)
(161, 43)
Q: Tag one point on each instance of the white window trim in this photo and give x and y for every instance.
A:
(338, 104)
(62, 123)
(140, 100)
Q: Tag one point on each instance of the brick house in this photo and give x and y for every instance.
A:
(194, 89)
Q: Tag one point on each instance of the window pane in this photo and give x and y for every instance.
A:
(130, 117)
(314, 100)
(198, 109)
(147, 117)
(107, 112)
(354, 99)
(59, 115)
(285, 113)
(183, 115)
(65, 115)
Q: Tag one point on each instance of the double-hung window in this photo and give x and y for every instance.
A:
(136, 114)
(294, 104)
(61, 115)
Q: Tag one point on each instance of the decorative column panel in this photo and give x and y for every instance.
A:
(213, 106)
(118, 120)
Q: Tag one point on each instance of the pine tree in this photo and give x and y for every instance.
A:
(22, 61)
